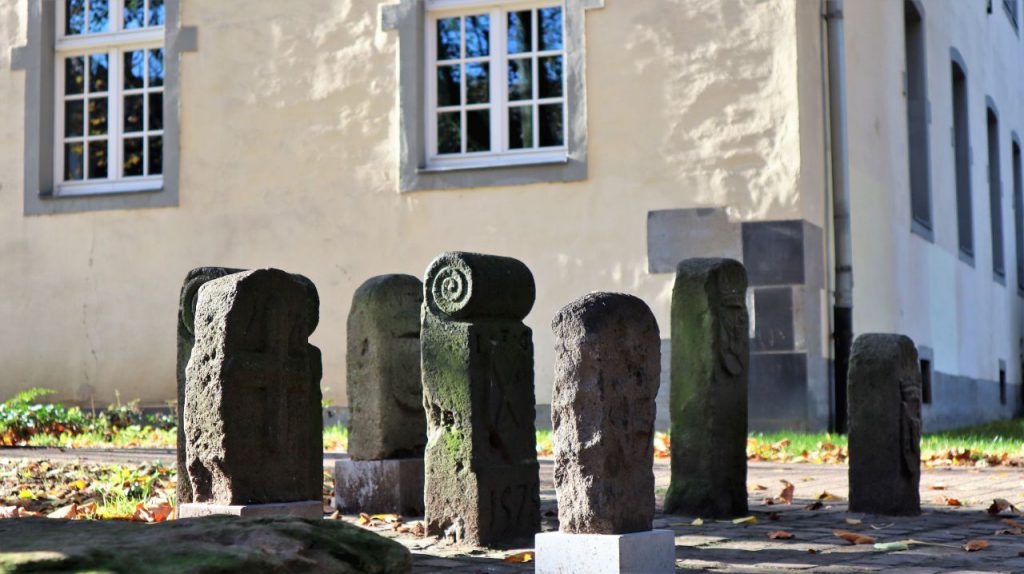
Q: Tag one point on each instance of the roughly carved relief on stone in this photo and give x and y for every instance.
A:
(910, 424)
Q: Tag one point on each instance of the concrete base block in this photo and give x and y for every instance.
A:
(379, 486)
(651, 552)
(303, 509)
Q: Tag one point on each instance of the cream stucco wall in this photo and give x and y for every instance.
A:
(905, 283)
(289, 158)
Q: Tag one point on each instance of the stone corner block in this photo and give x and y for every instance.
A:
(379, 486)
(650, 552)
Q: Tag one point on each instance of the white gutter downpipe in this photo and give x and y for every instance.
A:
(842, 234)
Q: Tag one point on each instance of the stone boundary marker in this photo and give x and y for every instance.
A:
(387, 425)
(607, 373)
(884, 393)
(482, 485)
(253, 428)
(708, 399)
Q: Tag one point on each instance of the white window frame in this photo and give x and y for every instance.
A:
(114, 42)
(500, 154)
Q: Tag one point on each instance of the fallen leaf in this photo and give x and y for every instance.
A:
(953, 502)
(336, 515)
(882, 526)
(780, 535)
(786, 497)
(827, 496)
(519, 558)
(68, 512)
(1012, 523)
(774, 516)
(746, 520)
(854, 521)
(1000, 505)
(816, 505)
(812, 551)
(937, 487)
(975, 545)
(768, 501)
(758, 487)
(697, 522)
(364, 518)
(853, 537)
(387, 518)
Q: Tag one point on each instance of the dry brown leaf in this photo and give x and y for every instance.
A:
(745, 520)
(786, 497)
(364, 518)
(975, 545)
(519, 558)
(816, 505)
(156, 511)
(336, 515)
(827, 496)
(1000, 505)
(1012, 523)
(853, 537)
(937, 487)
(953, 502)
(774, 516)
(758, 487)
(780, 535)
(68, 512)
(768, 501)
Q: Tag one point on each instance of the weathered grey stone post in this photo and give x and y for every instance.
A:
(387, 425)
(482, 483)
(195, 279)
(885, 426)
(607, 374)
(710, 356)
(253, 423)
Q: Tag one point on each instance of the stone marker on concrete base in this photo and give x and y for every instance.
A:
(253, 424)
(710, 356)
(607, 374)
(482, 484)
(387, 425)
(304, 509)
(884, 394)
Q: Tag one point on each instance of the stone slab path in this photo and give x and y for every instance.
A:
(726, 547)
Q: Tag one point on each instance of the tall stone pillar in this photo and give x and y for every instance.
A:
(482, 483)
(710, 357)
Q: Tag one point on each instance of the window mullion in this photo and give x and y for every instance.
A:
(116, 119)
(499, 49)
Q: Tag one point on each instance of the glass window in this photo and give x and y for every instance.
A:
(111, 117)
(496, 86)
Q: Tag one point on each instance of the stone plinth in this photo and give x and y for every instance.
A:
(253, 424)
(481, 483)
(304, 509)
(385, 392)
(884, 394)
(607, 371)
(650, 552)
(708, 400)
(379, 486)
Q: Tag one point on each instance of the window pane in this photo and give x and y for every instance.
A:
(156, 155)
(549, 28)
(98, 65)
(478, 130)
(97, 159)
(478, 40)
(448, 85)
(134, 14)
(519, 32)
(550, 77)
(73, 165)
(156, 12)
(134, 69)
(74, 75)
(132, 157)
(74, 118)
(156, 67)
(133, 113)
(448, 39)
(97, 116)
(449, 133)
(99, 15)
(520, 127)
(520, 79)
(156, 112)
(552, 132)
(477, 83)
(74, 17)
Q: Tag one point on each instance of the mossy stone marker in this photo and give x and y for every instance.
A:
(253, 422)
(482, 484)
(884, 393)
(607, 373)
(195, 279)
(708, 398)
(387, 425)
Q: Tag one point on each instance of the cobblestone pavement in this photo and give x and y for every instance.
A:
(726, 547)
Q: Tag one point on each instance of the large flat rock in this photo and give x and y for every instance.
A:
(213, 544)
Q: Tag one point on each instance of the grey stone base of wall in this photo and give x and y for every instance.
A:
(962, 401)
